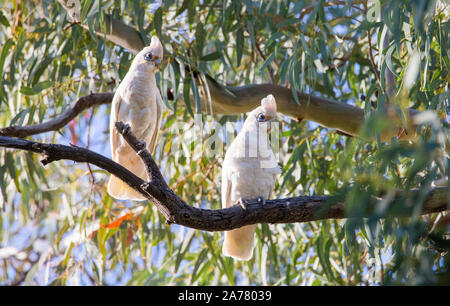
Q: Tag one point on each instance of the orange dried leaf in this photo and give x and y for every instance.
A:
(73, 134)
(116, 223)
(91, 236)
(130, 236)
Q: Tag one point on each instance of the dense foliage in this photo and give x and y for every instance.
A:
(59, 226)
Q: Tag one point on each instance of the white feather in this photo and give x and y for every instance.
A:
(136, 102)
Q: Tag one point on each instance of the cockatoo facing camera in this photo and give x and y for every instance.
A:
(249, 171)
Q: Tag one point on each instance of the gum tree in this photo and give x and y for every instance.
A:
(362, 91)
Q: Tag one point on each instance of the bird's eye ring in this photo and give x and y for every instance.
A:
(148, 56)
(261, 117)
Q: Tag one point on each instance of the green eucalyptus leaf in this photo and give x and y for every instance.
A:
(211, 56)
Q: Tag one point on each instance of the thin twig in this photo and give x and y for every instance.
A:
(269, 68)
(372, 60)
(60, 120)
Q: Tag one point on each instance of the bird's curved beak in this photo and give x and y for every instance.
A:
(157, 63)
(270, 122)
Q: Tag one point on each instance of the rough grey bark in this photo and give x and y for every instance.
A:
(60, 120)
(175, 210)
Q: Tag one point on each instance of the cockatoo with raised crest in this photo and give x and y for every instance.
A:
(138, 103)
(249, 171)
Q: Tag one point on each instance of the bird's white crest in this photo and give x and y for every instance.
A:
(269, 104)
(156, 46)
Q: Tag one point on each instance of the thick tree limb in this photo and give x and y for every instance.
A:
(175, 210)
(62, 119)
(234, 100)
(332, 114)
(229, 100)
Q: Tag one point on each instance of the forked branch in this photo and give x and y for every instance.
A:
(175, 210)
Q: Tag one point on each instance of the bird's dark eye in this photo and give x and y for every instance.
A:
(148, 56)
(261, 117)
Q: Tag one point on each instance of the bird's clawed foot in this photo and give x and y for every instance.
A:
(141, 145)
(144, 186)
(243, 203)
(126, 129)
(123, 128)
(261, 200)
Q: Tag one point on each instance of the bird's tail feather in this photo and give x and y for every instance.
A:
(239, 242)
(118, 188)
(121, 191)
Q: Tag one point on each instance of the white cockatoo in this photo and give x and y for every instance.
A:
(138, 103)
(249, 171)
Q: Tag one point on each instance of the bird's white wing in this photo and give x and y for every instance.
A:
(238, 243)
(226, 188)
(115, 137)
(152, 144)
(123, 154)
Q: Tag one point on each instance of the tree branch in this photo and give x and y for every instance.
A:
(175, 210)
(349, 119)
(62, 119)
(229, 100)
